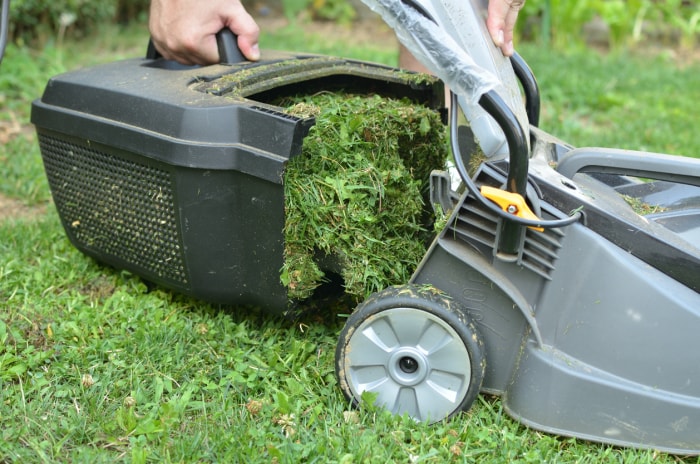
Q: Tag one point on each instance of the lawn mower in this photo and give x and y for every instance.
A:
(545, 287)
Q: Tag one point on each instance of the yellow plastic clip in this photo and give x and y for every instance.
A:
(511, 203)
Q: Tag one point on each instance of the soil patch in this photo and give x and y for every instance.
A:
(11, 208)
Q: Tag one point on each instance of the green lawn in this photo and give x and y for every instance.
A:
(96, 366)
(636, 102)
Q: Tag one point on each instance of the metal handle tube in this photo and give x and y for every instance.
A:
(4, 26)
(511, 232)
(530, 88)
(519, 152)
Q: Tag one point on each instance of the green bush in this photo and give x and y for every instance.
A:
(36, 21)
(339, 11)
(562, 21)
(130, 10)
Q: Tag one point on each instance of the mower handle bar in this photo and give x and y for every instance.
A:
(518, 147)
(4, 26)
(530, 88)
(519, 154)
(226, 42)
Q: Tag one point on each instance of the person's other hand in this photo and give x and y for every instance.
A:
(185, 30)
(501, 22)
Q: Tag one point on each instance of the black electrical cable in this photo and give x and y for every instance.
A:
(4, 25)
(517, 175)
(471, 186)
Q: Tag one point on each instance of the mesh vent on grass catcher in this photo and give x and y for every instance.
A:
(116, 206)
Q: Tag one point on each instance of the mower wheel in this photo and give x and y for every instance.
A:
(416, 349)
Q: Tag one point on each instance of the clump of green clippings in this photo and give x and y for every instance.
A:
(642, 208)
(356, 196)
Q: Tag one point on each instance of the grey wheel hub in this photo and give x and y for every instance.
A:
(414, 361)
(408, 366)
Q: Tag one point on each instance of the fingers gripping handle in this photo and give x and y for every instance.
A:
(226, 41)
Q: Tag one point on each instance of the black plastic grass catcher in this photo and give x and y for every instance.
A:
(175, 173)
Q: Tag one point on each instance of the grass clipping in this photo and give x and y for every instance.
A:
(357, 192)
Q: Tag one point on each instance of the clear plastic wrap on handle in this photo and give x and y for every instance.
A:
(436, 49)
(455, 45)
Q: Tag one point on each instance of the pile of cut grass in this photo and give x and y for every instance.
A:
(356, 196)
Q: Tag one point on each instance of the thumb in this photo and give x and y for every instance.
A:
(244, 26)
(249, 47)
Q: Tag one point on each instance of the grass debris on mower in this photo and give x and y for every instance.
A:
(358, 193)
(545, 286)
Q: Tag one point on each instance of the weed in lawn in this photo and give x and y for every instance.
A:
(357, 193)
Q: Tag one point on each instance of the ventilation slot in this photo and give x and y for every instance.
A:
(541, 250)
(115, 208)
(476, 224)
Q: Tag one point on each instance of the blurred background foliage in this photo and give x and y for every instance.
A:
(560, 23)
(612, 22)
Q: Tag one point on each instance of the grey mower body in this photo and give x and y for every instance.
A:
(584, 336)
(585, 319)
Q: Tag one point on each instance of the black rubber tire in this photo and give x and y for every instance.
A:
(438, 309)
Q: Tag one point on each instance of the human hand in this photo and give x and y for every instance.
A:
(185, 30)
(502, 15)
